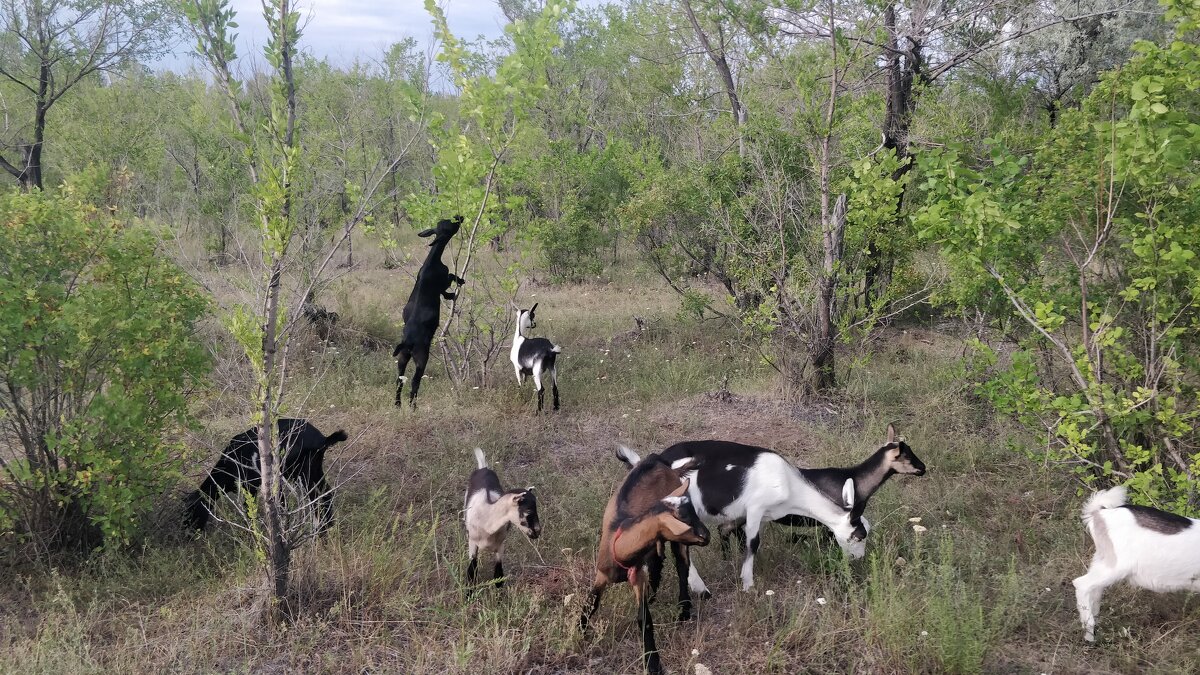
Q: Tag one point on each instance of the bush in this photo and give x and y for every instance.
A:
(1091, 244)
(97, 351)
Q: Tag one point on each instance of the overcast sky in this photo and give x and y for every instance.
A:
(345, 29)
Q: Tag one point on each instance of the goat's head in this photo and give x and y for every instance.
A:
(445, 229)
(526, 319)
(524, 504)
(850, 529)
(680, 522)
(901, 458)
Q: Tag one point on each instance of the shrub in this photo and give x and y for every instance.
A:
(97, 351)
(1091, 244)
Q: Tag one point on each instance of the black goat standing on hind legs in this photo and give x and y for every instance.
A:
(423, 312)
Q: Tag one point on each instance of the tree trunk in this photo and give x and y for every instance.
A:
(31, 175)
(270, 502)
(904, 67)
(833, 228)
(272, 505)
(717, 56)
(824, 375)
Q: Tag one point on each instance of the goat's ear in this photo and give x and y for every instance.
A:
(681, 490)
(676, 526)
(533, 309)
(848, 493)
(426, 233)
(891, 433)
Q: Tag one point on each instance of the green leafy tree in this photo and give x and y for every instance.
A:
(1091, 244)
(48, 47)
(493, 110)
(97, 354)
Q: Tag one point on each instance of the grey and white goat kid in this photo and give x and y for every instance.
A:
(534, 356)
(490, 511)
(1151, 549)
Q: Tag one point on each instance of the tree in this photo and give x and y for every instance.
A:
(50, 46)
(280, 517)
(494, 106)
(1091, 244)
(98, 352)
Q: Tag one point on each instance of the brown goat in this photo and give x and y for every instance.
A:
(651, 507)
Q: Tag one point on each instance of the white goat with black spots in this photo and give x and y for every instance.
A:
(1152, 549)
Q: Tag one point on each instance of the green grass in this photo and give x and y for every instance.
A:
(987, 582)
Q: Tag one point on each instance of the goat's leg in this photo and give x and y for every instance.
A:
(323, 495)
(736, 531)
(520, 377)
(753, 523)
(473, 554)
(646, 623)
(403, 354)
(537, 382)
(554, 384)
(682, 565)
(600, 583)
(694, 582)
(654, 568)
(420, 359)
(498, 570)
(1088, 590)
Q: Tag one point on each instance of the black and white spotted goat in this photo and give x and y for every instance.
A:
(490, 511)
(534, 356)
(1152, 549)
(303, 462)
(738, 485)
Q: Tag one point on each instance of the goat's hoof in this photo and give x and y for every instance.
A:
(685, 615)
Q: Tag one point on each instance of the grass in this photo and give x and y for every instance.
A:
(986, 588)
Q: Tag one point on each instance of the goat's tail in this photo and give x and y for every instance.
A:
(628, 455)
(555, 348)
(336, 437)
(479, 459)
(1105, 499)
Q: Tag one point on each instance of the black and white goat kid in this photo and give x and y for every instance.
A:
(534, 356)
(490, 511)
(736, 485)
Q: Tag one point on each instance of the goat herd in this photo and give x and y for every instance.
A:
(666, 498)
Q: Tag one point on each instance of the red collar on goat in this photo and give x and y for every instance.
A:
(630, 572)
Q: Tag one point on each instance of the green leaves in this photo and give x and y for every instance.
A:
(1091, 242)
(98, 345)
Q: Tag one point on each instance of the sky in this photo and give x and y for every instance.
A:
(343, 30)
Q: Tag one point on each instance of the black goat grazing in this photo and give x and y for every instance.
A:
(534, 356)
(304, 462)
(423, 311)
(650, 508)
